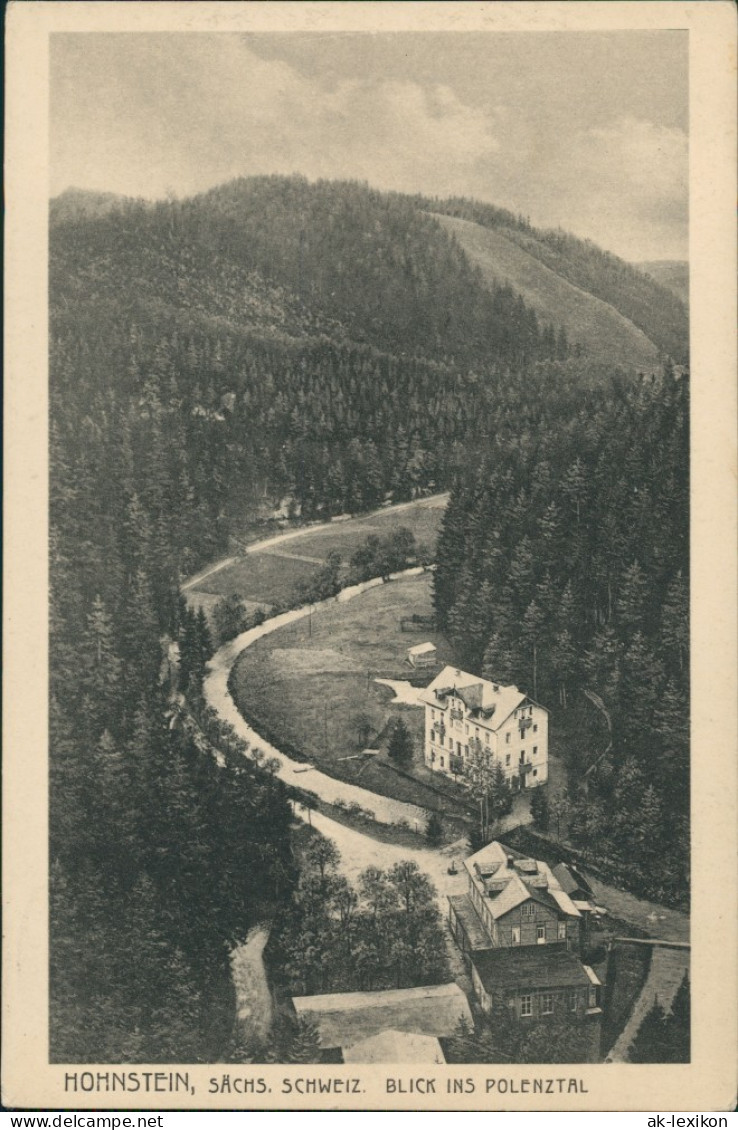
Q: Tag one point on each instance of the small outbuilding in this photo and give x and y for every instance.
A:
(423, 655)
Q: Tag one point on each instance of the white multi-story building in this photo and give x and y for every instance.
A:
(466, 716)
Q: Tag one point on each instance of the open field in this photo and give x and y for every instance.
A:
(422, 519)
(260, 577)
(272, 575)
(311, 683)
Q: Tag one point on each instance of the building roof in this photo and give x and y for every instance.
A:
(422, 649)
(345, 1019)
(392, 1046)
(463, 908)
(490, 702)
(569, 880)
(529, 968)
(506, 879)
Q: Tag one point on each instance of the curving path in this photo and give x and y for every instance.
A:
(432, 501)
(358, 849)
(330, 789)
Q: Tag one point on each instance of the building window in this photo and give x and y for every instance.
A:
(433, 715)
(541, 935)
(547, 1003)
(562, 931)
(528, 909)
(516, 935)
(535, 772)
(526, 1005)
(486, 738)
(507, 759)
(592, 996)
(535, 727)
(507, 739)
(535, 750)
(441, 763)
(571, 1000)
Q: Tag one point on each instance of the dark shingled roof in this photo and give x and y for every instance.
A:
(570, 880)
(472, 696)
(529, 968)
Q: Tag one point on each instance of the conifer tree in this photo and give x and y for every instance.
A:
(400, 747)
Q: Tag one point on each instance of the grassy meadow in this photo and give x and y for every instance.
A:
(272, 576)
(313, 684)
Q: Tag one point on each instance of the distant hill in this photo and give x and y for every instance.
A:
(602, 331)
(451, 280)
(279, 253)
(671, 273)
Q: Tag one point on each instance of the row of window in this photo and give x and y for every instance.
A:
(541, 932)
(454, 718)
(508, 735)
(547, 1003)
(439, 738)
(460, 756)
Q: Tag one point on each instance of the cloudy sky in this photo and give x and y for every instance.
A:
(587, 131)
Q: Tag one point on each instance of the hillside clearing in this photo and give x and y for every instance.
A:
(604, 333)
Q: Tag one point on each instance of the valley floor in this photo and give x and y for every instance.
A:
(318, 631)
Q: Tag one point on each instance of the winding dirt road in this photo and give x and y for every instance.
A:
(330, 789)
(433, 500)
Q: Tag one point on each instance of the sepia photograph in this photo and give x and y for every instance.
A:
(370, 555)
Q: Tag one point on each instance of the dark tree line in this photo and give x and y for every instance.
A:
(563, 566)
(665, 1037)
(160, 860)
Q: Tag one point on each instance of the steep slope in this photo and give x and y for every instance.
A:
(653, 308)
(670, 273)
(598, 327)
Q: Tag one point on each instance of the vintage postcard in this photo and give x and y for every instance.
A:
(370, 590)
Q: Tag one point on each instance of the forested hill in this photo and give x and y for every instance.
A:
(271, 252)
(270, 340)
(402, 273)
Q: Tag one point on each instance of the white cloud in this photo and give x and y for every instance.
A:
(191, 113)
(144, 114)
(652, 159)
